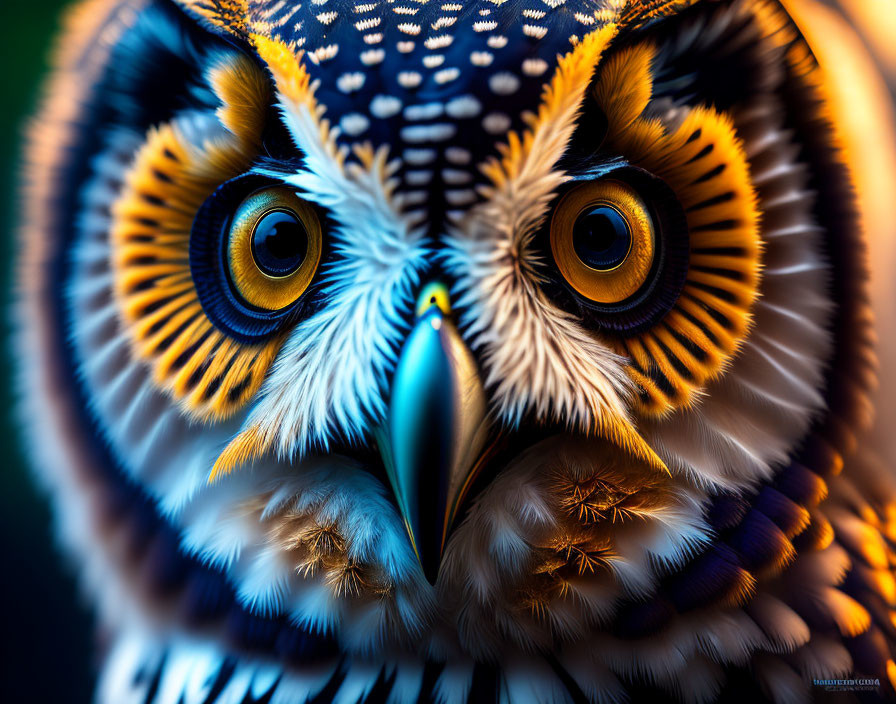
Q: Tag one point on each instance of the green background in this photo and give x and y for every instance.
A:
(45, 631)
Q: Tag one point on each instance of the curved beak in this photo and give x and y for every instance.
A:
(435, 428)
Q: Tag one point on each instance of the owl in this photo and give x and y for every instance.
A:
(475, 351)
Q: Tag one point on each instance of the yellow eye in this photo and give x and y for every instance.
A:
(274, 248)
(603, 240)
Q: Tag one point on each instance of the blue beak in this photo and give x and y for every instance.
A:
(435, 429)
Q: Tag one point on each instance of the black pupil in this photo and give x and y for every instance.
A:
(279, 243)
(601, 237)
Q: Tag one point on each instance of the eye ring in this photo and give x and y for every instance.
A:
(263, 281)
(598, 269)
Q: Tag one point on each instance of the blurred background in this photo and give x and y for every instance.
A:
(46, 642)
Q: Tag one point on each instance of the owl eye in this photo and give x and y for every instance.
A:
(255, 250)
(603, 241)
(274, 248)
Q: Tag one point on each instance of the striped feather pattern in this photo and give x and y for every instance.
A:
(704, 163)
(178, 167)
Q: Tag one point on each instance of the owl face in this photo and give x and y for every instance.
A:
(451, 327)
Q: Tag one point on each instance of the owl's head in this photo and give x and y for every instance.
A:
(474, 329)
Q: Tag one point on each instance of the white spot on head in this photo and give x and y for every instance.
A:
(585, 19)
(354, 124)
(534, 14)
(415, 197)
(324, 53)
(496, 123)
(481, 58)
(419, 157)
(439, 42)
(433, 60)
(327, 17)
(443, 22)
(404, 10)
(536, 31)
(350, 82)
(374, 38)
(504, 83)
(418, 134)
(405, 47)
(484, 26)
(424, 111)
(460, 197)
(383, 106)
(409, 79)
(458, 155)
(418, 178)
(446, 75)
(534, 67)
(372, 56)
(456, 177)
(409, 28)
(368, 23)
(497, 41)
(463, 106)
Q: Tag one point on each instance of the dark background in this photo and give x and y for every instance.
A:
(46, 645)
